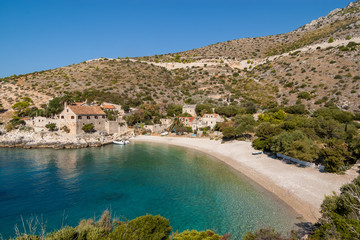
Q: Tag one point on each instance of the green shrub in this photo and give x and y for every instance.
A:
(340, 214)
(265, 234)
(51, 126)
(66, 233)
(296, 109)
(304, 95)
(144, 227)
(88, 128)
(195, 235)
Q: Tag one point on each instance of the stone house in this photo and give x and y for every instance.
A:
(210, 120)
(113, 107)
(74, 117)
(207, 120)
(108, 107)
(192, 122)
(190, 109)
(187, 121)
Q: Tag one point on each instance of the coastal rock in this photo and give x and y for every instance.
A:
(55, 140)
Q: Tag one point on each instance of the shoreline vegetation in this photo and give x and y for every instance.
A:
(110, 228)
(294, 185)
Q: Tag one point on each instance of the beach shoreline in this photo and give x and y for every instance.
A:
(302, 189)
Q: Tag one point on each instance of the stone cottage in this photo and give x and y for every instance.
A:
(74, 117)
(190, 109)
(210, 120)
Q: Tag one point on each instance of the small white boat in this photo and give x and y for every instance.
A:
(164, 134)
(121, 142)
(257, 153)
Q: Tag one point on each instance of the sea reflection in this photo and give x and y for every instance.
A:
(64, 163)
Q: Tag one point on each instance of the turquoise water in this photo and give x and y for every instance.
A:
(189, 188)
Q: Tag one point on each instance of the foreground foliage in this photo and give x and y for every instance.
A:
(144, 227)
(341, 214)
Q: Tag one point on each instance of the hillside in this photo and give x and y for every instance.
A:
(11, 93)
(302, 66)
(339, 24)
(123, 80)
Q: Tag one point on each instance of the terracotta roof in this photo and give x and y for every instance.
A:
(108, 106)
(210, 115)
(189, 118)
(87, 110)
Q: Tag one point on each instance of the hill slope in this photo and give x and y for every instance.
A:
(260, 70)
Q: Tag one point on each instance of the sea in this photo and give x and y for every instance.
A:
(51, 189)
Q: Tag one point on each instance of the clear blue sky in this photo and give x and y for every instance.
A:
(42, 34)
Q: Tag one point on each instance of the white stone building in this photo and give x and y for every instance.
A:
(210, 120)
(190, 109)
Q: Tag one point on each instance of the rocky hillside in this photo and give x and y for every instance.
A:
(10, 93)
(314, 64)
(338, 24)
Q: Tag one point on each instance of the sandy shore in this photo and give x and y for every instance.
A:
(303, 189)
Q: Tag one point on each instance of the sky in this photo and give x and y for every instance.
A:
(38, 35)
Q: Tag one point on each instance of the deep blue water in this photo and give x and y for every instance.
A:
(191, 189)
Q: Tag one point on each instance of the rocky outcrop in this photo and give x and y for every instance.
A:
(338, 14)
(55, 140)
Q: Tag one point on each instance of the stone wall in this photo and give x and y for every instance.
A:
(112, 127)
(156, 128)
(99, 123)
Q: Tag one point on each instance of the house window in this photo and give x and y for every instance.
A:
(103, 116)
(88, 117)
(62, 117)
(67, 110)
(72, 117)
(79, 117)
(96, 117)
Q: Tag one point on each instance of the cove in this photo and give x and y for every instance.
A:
(191, 189)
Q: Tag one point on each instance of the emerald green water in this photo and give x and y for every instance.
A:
(192, 190)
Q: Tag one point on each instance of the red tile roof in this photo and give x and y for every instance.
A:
(108, 106)
(189, 118)
(210, 115)
(87, 110)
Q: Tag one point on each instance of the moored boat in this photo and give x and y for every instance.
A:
(119, 142)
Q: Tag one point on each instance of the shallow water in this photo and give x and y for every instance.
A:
(191, 189)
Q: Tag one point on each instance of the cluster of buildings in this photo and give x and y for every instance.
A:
(75, 116)
(195, 122)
